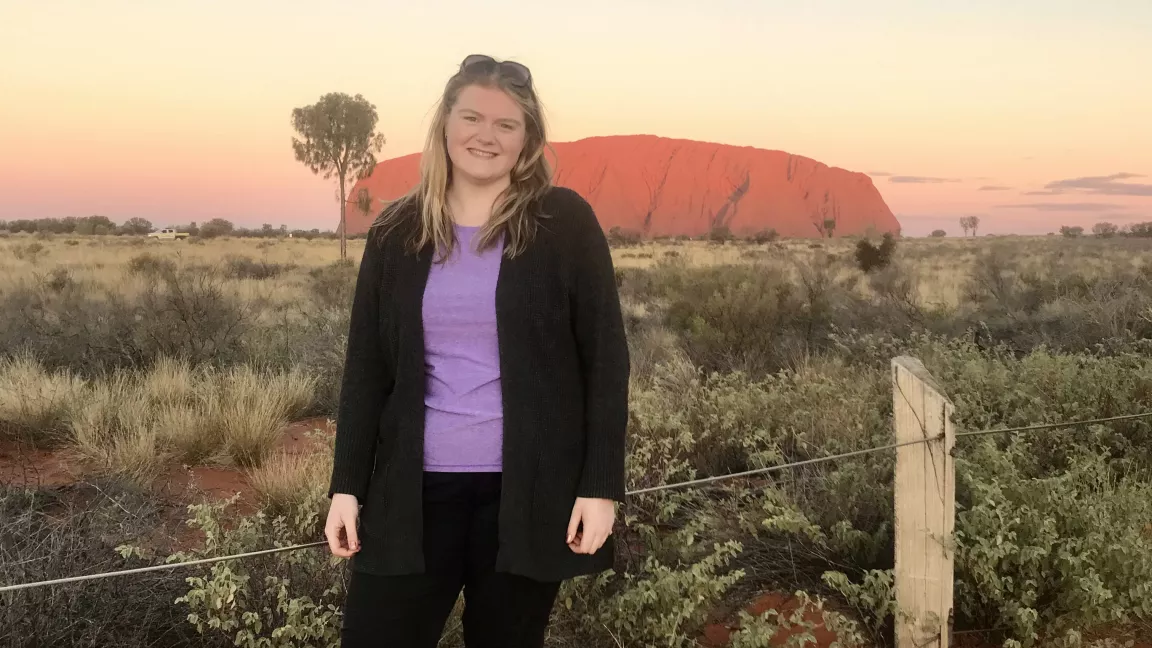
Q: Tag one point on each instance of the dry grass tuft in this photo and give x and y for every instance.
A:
(131, 424)
(114, 430)
(171, 382)
(35, 404)
(255, 406)
(287, 481)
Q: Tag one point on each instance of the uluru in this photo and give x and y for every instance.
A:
(661, 186)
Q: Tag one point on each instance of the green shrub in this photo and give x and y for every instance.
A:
(757, 318)
(735, 316)
(656, 605)
(189, 315)
(1049, 558)
(283, 600)
(873, 257)
(311, 340)
(333, 285)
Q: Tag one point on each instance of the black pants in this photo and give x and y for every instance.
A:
(501, 610)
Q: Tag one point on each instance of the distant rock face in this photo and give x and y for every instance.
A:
(668, 187)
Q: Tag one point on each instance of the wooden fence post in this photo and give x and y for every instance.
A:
(925, 486)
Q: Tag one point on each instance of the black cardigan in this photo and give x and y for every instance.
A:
(564, 376)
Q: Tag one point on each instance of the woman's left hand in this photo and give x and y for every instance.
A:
(597, 517)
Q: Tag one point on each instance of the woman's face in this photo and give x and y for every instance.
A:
(485, 134)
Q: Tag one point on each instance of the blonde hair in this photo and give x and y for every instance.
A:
(515, 211)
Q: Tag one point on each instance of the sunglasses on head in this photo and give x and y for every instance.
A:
(517, 73)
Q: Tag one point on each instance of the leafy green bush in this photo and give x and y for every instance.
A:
(284, 600)
(1047, 558)
(995, 388)
(654, 604)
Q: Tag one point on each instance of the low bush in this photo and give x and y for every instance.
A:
(875, 257)
(151, 265)
(284, 600)
(182, 313)
(47, 534)
(242, 267)
(332, 285)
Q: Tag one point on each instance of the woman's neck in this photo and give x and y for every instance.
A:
(471, 204)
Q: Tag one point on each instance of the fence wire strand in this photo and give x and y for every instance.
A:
(1050, 426)
(652, 489)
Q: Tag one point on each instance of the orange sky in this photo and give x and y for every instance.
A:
(179, 111)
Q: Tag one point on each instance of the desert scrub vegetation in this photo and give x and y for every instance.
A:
(747, 355)
(74, 530)
(132, 424)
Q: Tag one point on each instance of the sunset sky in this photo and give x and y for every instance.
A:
(1031, 114)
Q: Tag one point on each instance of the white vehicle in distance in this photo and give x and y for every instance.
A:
(168, 233)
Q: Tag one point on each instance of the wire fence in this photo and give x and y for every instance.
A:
(652, 489)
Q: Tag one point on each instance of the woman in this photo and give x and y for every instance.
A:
(484, 400)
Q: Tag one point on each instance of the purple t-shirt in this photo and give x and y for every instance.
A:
(463, 413)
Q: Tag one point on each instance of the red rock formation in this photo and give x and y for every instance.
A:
(667, 187)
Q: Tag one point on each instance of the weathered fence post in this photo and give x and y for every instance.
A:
(925, 485)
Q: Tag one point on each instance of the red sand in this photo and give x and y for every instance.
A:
(719, 634)
(23, 465)
(667, 187)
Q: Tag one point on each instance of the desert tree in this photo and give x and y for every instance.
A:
(828, 217)
(830, 226)
(1105, 229)
(216, 227)
(337, 138)
(970, 223)
(136, 225)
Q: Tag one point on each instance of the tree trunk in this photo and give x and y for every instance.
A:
(343, 220)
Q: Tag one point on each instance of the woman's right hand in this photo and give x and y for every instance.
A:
(341, 526)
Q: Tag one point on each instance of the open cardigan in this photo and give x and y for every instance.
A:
(564, 379)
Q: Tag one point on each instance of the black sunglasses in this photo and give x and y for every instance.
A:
(516, 72)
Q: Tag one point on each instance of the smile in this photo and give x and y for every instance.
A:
(487, 155)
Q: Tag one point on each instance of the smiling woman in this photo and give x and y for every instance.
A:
(480, 433)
